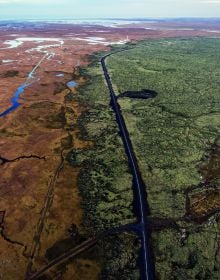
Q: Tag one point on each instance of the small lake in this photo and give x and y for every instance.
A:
(71, 84)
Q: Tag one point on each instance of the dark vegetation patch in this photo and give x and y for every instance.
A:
(62, 246)
(59, 87)
(210, 167)
(10, 73)
(158, 224)
(120, 257)
(2, 216)
(143, 94)
(54, 121)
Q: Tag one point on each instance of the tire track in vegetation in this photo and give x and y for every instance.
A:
(81, 248)
(46, 206)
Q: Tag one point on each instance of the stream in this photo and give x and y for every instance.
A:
(21, 88)
(14, 100)
(30, 80)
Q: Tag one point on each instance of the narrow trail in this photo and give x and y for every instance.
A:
(40, 225)
(29, 81)
(89, 243)
(79, 249)
(30, 75)
(141, 207)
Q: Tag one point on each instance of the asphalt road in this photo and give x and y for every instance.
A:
(146, 260)
(141, 209)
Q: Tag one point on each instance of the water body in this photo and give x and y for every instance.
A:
(14, 100)
(143, 94)
(20, 90)
(72, 84)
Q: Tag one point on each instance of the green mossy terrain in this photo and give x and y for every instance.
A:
(119, 255)
(105, 181)
(175, 138)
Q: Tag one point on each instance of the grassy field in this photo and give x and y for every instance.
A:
(176, 140)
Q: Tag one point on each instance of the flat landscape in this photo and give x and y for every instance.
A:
(65, 177)
(175, 135)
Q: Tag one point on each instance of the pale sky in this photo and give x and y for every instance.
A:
(71, 9)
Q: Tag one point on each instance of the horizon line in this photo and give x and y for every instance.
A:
(110, 18)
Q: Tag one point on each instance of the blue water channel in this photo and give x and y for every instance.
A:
(14, 100)
(19, 91)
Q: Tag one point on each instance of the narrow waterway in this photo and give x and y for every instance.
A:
(14, 100)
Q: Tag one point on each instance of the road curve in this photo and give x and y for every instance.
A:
(146, 259)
